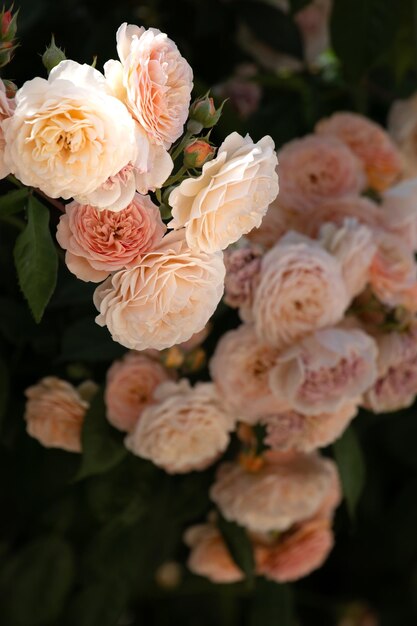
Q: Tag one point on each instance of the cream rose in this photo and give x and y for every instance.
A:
(68, 134)
(301, 288)
(363, 210)
(231, 195)
(399, 211)
(402, 126)
(153, 80)
(240, 369)
(130, 386)
(187, 428)
(209, 555)
(55, 412)
(287, 489)
(163, 301)
(325, 370)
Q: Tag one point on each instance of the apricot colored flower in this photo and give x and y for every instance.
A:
(363, 210)
(402, 126)
(210, 556)
(242, 272)
(399, 211)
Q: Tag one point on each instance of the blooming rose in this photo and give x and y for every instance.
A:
(165, 300)
(55, 412)
(363, 210)
(7, 106)
(288, 488)
(240, 369)
(68, 134)
(325, 370)
(275, 223)
(402, 126)
(399, 211)
(290, 430)
(396, 385)
(186, 430)
(153, 80)
(209, 555)
(231, 195)
(99, 242)
(353, 245)
(297, 553)
(301, 288)
(130, 387)
(370, 143)
(393, 272)
(316, 169)
(242, 272)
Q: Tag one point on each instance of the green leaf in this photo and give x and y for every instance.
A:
(36, 581)
(240, 546)
(13, 202)
(4, 388)
(101, 450)
(272, 604)
(373, 23)
(36, 259)
(272, 27)
(350, 462)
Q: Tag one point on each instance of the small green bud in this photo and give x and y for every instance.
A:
(204, 112)
(52, 56)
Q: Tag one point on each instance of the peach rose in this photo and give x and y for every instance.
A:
(7, 107)
(287, 489)
(363, 210)
(301, 288)
(316, 169)
(399, 211)
(298, 552)
(381, 159)
(275, 223)
(393, 272)
(354, 247)
(231, 195)
(130, 387)
(240, 369)
(290, 430)
(209, 555)
(100, 242)
(165, 300)
(55, 412)
(242, 272)
(325, 370)
(402, 126)
(68, 134)
(153, 80)
(187, 429)
(396, 385)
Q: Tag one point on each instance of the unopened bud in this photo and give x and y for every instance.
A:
(10, 87)
(204, 112)
(197, 153)
(52, 56)
(8, 28)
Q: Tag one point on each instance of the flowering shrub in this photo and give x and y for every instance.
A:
(204, 330)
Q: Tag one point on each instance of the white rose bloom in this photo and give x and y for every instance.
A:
(231, 195)
(68, 134)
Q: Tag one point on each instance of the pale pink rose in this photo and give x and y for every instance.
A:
(163, 301)
(354, 246)
(243, 267)
(153, 80)
(301, 288)
(363, 210)
(315, 169)
(240, 369)
(187, 429)
(286, 490)
(55, 412)
(399, 211)
(381, 159)
(99, 242)
(231, 195)
(313, 22)
(402, 126)
(275, 223)
(396, 385)
(291, 430)
(325, 370)
(210, 556)
(393, 272)
(7, 106)
(297, 553)
(68, 133)
(130, 387)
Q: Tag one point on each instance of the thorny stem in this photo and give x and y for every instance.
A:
(173, 179)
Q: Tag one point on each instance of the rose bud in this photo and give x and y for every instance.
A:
(203, 114)
(197, 153)
(52, 56)
(8, 27)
